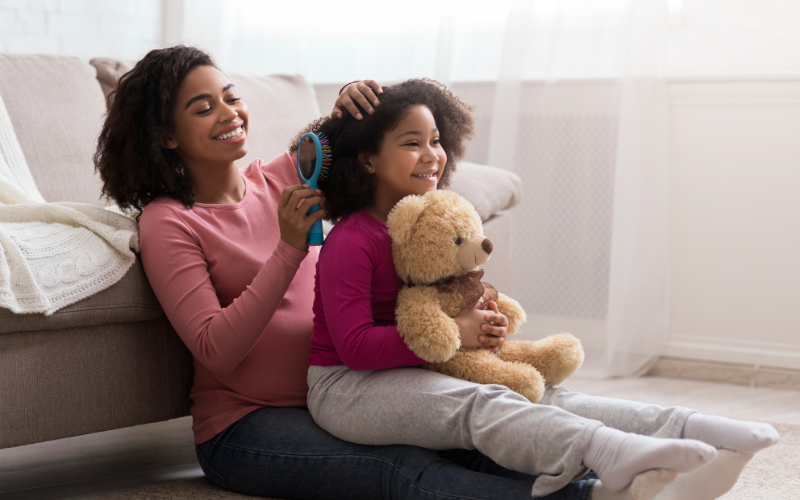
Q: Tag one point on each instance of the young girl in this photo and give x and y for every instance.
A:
(365, 385)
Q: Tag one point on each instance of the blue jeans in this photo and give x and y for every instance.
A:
(281, 453)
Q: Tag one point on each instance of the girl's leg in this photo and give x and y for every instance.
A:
(658, 421)
(282, 453)
(419, 407)
(709, 482)
(627, 416)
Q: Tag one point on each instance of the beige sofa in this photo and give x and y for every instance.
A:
(113, 360)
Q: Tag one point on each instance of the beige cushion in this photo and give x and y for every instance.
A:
(489, 189)
(130, 299)
(56, 107)
(280, 106)
(110, 70)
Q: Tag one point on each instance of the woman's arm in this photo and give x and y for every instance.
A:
(345, 275)
(177, 270)
(357, 92)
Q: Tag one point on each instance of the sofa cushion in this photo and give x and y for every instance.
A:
(129, 300)
(56, 107)
(489, 189)
(280, 106)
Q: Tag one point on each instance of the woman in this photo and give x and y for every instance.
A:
(225, 253)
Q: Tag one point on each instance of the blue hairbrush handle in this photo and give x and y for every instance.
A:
(315, 236)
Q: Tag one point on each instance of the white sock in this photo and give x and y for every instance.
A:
(721, 432)
(617, 457)
(644, 486)
(710, 481)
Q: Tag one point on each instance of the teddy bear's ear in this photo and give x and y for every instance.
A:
(403, 217)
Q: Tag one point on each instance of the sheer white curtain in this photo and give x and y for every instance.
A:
(570, 94)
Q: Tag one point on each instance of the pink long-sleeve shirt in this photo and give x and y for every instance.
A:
(237, 294)
(355, 293)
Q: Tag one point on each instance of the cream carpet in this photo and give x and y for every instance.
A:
(773, 474)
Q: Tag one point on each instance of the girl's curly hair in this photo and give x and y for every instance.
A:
(133, 166)
(348, 186)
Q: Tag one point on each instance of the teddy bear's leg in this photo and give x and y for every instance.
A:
(556, 357)
(483, 367)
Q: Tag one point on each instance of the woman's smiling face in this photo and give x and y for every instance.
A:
(411, 158)
(210, 121)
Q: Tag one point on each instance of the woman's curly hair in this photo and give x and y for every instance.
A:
(133, 166)
(348, 186)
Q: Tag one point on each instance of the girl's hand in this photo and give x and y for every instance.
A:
(495, 328)
(360, 92)
(470, 323)
(292, 219)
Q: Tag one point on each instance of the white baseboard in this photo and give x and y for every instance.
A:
(749, 352)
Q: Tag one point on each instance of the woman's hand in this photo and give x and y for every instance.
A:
(486, 329)
(292, 219)
(360, 92)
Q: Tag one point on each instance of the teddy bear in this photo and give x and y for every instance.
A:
(437, 246)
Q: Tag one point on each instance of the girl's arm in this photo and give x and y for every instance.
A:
(177, 270)
(346, 267)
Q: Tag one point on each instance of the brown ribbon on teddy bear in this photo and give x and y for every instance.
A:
(469, 286)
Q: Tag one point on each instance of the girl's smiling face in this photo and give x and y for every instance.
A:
(209, 119)
(410, 160)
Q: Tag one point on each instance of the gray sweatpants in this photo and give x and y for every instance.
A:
(419, 407)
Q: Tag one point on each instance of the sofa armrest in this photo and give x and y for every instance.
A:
(130, 299)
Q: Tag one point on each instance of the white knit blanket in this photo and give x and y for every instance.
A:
(54, 254)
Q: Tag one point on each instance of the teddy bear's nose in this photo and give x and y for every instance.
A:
(487, 246)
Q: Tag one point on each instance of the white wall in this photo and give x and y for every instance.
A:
(735, 37)
(81, 28)
(734, 198)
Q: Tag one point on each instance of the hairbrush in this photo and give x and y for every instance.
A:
(313, 163)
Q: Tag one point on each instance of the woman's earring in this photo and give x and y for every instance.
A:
(369, 170)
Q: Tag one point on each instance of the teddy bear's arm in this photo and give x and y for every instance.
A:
(426, 329)
(511, 309)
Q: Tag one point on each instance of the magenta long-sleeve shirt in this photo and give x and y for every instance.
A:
(355, 293)
(238, 295)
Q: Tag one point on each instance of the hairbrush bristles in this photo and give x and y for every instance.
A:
(326, 155)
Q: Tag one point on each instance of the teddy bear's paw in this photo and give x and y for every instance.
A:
(561, 354)
(434, 349)
(533, 389)
(521, 378)
(514, 312)
(433, 343)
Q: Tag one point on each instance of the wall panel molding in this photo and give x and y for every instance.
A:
(752, 352)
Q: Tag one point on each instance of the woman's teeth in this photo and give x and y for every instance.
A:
(229, 135)
(424, 176)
